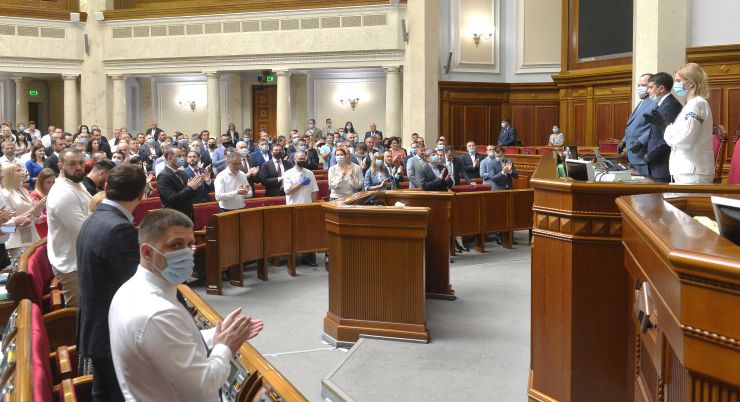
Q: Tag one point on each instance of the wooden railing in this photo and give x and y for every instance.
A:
(41, 9)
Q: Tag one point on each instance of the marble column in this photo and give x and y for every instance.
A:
(393, 102)
(21, 100)
(146, 103)
(214, 104)
(300, 103)
(71, 103)
(119, 101)
(283, 124)
(421, 71)
(656, 46)
(235, 102)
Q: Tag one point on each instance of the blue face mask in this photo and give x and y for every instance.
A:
(679, 90)
(116, 162)
(181, 161)
(441, 147)
(555, 130)
(435, 158)
(654, 96)
(356, 140)
(265, 148)
(301, 148)
(491, 154)
(83, 141)
(471, 151)
(641, 91)
(179, 265)
(340, 158)
(150, 142)
(379, 162)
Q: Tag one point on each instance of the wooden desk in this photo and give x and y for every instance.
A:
(376, 279)
(688, 347)
(580, 326)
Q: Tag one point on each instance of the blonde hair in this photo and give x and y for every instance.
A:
(378, 155)
(96, 200)
(10, 177)
(698, 78)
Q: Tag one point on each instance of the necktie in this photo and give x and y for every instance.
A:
(278, 167)
(196, 170)
(179, 176)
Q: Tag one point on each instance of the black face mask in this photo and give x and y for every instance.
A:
(226, 144)
(301, 164)
(277, 156)
(212, 146)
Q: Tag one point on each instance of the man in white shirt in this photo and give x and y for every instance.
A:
(232, 185)
(46, 139)
(301, 188)
(9, 155)
(158, 352)
(66, 210)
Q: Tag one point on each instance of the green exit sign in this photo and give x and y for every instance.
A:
(33, 93)
(270, 78)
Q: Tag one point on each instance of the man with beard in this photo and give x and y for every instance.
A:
(66, 210)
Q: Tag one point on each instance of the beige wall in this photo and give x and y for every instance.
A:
(540, 29)
(173, 117)
(371, 107)
(476, 16)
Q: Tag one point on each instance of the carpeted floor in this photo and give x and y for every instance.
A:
(480, 342)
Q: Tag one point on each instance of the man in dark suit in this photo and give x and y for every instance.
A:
(312, 156)
(453, 165)
(507, 136)
(196, 168)
(637, 128)
(262, 154)
(154, 130)
(175, 190)
(668, 107)
(271, 172)
(470, 163)
(52, 162)
(374, 131)
(361, 158)
(498, 171)
(94, 182)
(433, 175)
(107, 256)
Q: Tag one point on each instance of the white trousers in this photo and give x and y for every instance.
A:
(693, 178)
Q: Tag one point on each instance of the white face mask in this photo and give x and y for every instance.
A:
(503, 125)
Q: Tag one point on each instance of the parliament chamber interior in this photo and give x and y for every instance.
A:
(420, 200)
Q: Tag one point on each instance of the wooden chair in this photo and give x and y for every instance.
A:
(609, 145)
(511, 150)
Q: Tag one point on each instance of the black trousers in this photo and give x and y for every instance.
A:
(105, 383)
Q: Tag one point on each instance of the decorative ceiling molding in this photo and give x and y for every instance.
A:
(57, 66)
(240, 63)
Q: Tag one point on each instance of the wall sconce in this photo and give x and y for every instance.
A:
(187, 103)
(477, 36)
(352, 102)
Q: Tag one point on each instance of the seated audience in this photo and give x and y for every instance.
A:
(345, 178)
(557, 139)
(158, 353)
(107, 256)
(232, 185)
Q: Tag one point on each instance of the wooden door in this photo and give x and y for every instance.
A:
(264, 108)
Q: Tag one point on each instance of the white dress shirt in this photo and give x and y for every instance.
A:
(46, 141)
(67, 208)
(5, 161)
(158, 352)
(226, 187)
(303, 194)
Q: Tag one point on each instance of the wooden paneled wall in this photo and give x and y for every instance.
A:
(722, 63)
(472, 111)
(43, 9)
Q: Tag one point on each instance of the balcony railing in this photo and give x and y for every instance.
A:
(42, 9)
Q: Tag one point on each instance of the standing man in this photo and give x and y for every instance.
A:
(262, 154)
(433, 176)
(232, 185)
(637, 127)
(301, 188)
(154, 130)
(157, 350)
(668, 107)
(453, 165)
(315, 131)
(66, 210)
(94, 182)
(470, 163)
(219, 156)
(415, 164)
(107, 256)
(373, 131)
(507, 136)
(498, 171)
(196, 168)
(175, 190)
(329, 128)
(272, 172)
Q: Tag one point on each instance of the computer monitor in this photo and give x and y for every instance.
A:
(580, 170)
(727, 215)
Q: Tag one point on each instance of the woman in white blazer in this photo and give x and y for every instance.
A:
(690, 135)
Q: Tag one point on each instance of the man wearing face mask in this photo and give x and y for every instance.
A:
(315, 131)
(194, 168)
(415, 165)
(158, 352)
(312, 156)
(361, 159)
(66, 210)
(329, 127)
(498, 171)
(262, 154)
(9, 155)
(272, 172)
(247, 139)
(470, 163)
(247, 165)
(637, 128)
(219, 156)
(176, 191)
(667, 108)
(433, 175)
(107, 256)
(507, 135)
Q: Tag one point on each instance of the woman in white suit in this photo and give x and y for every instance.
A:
(690, 135)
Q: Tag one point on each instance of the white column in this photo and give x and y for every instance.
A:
(214, 104)
(657, 47)
(393, 102)
(119, 101)
(421, 71)
(71, 103)
(283, 104)
(235, 102)
(21, 100)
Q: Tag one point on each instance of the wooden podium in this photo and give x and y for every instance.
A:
(376, 276)
(580, 289)
(685, 302)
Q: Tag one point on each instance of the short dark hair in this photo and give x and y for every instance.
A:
(125, 182)
(649, 75)
(67, 151)
(662, 79)
(498, 149)
(155, 225)
(506, 119)
(361, 147)
(103, 164)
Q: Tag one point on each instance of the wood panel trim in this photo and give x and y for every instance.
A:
(713, 54)
(569, 42)
(40, 13)
(125, 11)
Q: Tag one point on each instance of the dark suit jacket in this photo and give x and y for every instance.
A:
(174, 192)
(268, 176)
(430, 181)
(507, 136)
(256, 156)
(107, 256)
(201, 194)
(468, 170)
(456, 170)
(369, 133)
(658, 152)
(365, 165)
(500, 180)
(155, 133)
(90, 185)
(312, 159)
(52, 162)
